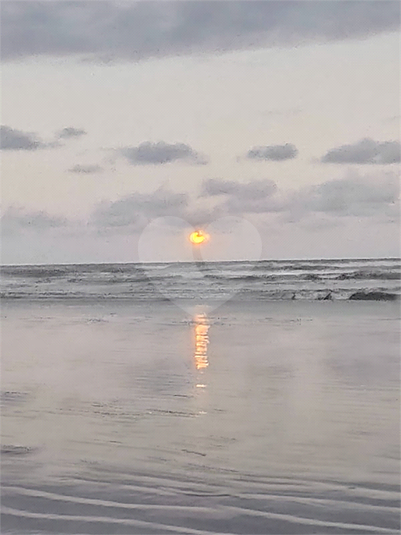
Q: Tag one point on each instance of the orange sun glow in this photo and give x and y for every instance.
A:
(198, 237)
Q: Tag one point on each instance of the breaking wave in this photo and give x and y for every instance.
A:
(266, 279)
(370, 275)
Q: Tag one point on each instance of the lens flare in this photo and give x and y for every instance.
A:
(198, 237)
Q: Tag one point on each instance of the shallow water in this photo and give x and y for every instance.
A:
(256, 417)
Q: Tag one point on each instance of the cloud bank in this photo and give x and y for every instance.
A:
(134, 210)
(365, 151)
(140, 30)
(12, 139)
(355, 195)
(15, 220)
(352, 195)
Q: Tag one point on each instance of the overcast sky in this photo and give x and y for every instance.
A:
(115, 114)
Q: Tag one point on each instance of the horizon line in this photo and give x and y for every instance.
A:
(205, 261)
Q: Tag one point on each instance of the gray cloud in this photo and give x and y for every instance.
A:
(12, 139)
(250, 191)
(70, 132)
(350, 196)
(161, 153)
(275, 153)
(361, 196)
(354, 196)
(135, 210)
(17, 219)
(139, 30)
(86, 169)
(258, 196)
(365, 151)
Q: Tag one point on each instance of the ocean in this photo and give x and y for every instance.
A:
(208, 282)
(204, 398)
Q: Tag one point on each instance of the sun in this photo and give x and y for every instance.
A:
(198, 237)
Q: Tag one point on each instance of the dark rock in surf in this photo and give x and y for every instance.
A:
(328, 297)
(373, 296)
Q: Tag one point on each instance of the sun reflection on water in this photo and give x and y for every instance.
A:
(201, 341)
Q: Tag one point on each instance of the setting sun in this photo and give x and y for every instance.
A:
(198, 237)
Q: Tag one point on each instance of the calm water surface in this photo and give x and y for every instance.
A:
(256, 417)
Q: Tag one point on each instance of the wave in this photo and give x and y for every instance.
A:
(50, 271)
(46, 272)
(238, 278)
(372, 275)
(107, 281)
(236, 502)
(276, 277)
(210, 294)
(373, 296)
(88, 297)
(11, 449)
(270, 280)
(282, 277)
(10, 398)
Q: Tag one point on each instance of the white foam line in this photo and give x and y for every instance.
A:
(126, 486)
(169, 485)
(182, 484)
(324, 501)
(103, 503)
(308, 521)
(125, 521)
(251, 512)
(276, 483)
(356, 492)
(266, 497)
(156, 480)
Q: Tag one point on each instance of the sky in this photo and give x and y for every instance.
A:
(126, 124)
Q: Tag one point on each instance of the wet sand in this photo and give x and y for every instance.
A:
(256, 418)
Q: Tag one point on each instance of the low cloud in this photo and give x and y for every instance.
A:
(365, 151)
(275, 153)
(258, 196)
(140, 30)
(12, 139)
(137, 209)
(17, 219)
(70, 132)
(161, 153)
(354, 195)
(375, 197)
(86, 169)
(254, 190)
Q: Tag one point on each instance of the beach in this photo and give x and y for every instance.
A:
(200, 273)
(256, 416)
